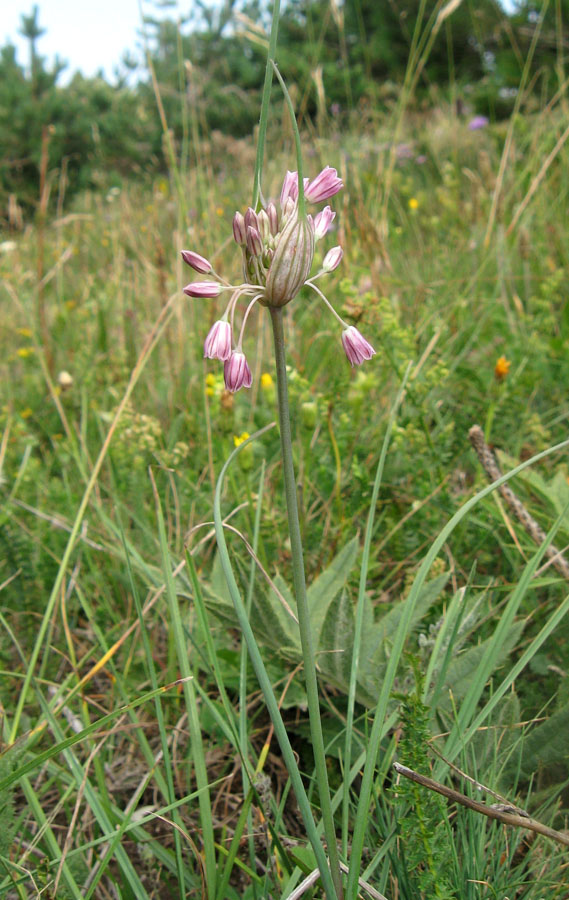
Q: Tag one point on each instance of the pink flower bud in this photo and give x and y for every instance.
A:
(203, 289)
(288, 208)
(254, 242)
(291, 263)
(325, 185)
(322, 222)
(197, 262)
(264, 225)
(239, 232)
(251, 219)
(236, 372)
(273, 218)
(217, 344)
(289, 188)
(356, 347)
(332, 259)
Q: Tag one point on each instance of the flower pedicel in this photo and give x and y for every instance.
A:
(278, 250)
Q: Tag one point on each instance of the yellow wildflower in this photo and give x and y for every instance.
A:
(501, 368)
(266, 381)
(413, 203)
(23, 352)
(237, 440)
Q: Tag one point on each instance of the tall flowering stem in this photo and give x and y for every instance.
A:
(301, 599)
(301, 204)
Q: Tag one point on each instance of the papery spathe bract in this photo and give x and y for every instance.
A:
(291, 263)
(236, 372)
(356, 347)
(217, 344)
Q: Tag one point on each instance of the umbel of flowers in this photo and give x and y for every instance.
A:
(277, 246)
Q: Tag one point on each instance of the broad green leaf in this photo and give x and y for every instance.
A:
(337, 640)
(322, 591)
(547, 744)
(463, 669)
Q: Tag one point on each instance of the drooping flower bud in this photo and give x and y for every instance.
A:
(197, 262)
(217, 344)
(356, 347)
(239, 231)
(322, 222)
(291, 263)
(236, 372)
(332, 259)
(203, 289)
(325, 185)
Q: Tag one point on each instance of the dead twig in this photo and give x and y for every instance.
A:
(490, 466)
(507, 814)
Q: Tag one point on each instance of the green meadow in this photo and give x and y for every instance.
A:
(138, 756)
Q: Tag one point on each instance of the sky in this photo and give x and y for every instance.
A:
(88, 34)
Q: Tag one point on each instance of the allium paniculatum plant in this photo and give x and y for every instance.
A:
(277, 246)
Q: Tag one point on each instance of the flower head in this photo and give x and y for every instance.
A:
(277, 248)
(477, 123)
(501, 368)
(356, 347)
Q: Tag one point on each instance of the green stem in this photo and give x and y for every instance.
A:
(288, 101)
(264, 680)
(301, 600)
(264, 116)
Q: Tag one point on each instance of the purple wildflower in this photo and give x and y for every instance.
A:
(477, 123)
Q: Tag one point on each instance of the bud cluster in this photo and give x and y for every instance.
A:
(277, 246)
